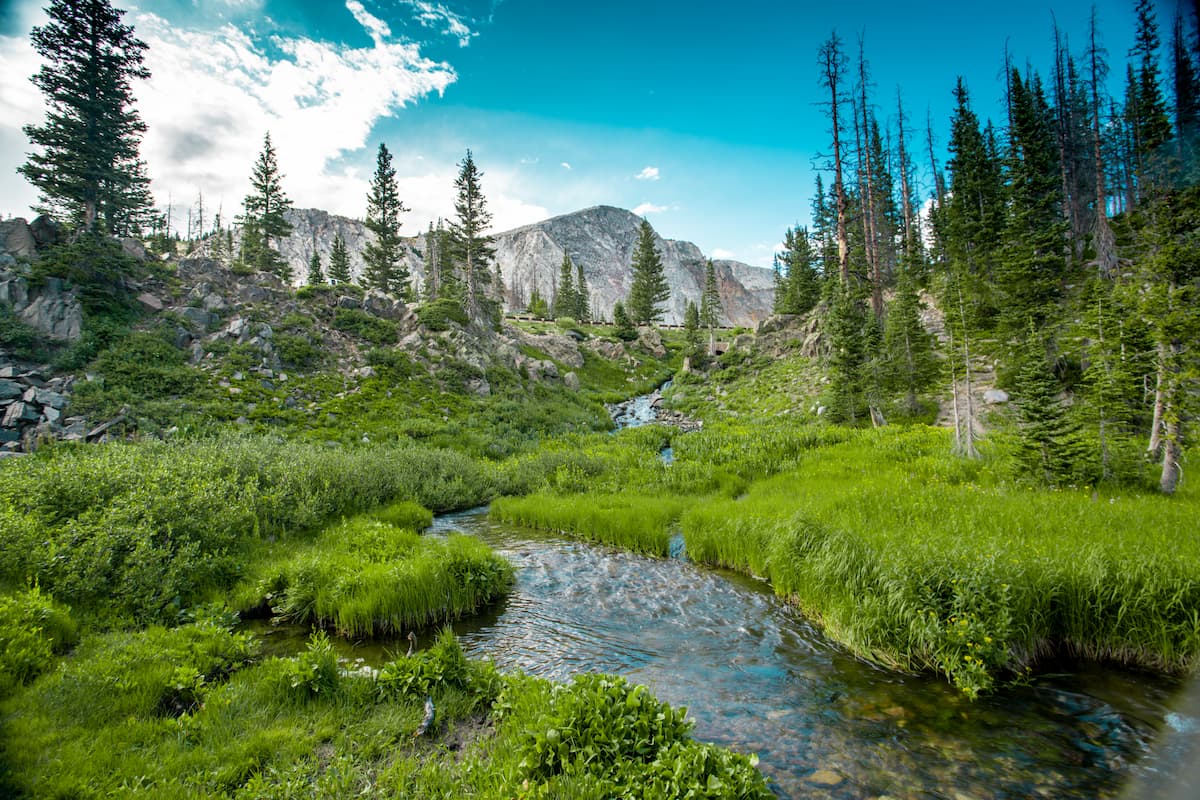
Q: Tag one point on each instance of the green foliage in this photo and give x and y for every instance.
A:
(566, 297)
(617, 740)
(33, 629)
(365, 326)
(537, 308)
(316, 275)
(710, 299)
(635, 522)
(623, 327)
(18, 338)
(367, 577)
(311, 674)
(298, 350)
(467, 247)
(97, 266)
(436, 670)
(437, 315)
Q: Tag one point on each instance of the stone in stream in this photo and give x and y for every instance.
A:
(825, 777)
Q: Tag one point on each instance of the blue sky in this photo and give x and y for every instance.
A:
(702, 115)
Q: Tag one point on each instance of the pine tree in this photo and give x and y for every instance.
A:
(339, 262)
(583, 296)
(799, 288)
(691, 325)
(833, 65)
(648, 288)
(538, 308)
(1049, 443)
(622, 324)
(315, 275)
(1185, 81)
(383, 267)
(565, 304)
(1151, 125)
(847, 356)
(263, 219)
(87, 165)
(1033, 264)
(710, 305)
(912, 367)
(470, 248)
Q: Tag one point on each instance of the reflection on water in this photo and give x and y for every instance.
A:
(759, 678)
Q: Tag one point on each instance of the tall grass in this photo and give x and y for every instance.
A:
(635, 522)
(138, 531)
(922, 561)
(364, 577)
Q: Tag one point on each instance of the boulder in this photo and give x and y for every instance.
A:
(561, 348)
(16, 239)
(743, 342)
(609, 350)
(46, 397)
(381, 305)
(10, 390)
(995, 396)
(134, 249)
(650, 341)
(571, 381)
(195, 317)
(45, 231)
(149, 302)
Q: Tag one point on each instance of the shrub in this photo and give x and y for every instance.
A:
(365, 326)
(33, 628)
(437, 315)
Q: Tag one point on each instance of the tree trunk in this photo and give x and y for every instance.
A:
(1172, 452)
(1156, 424)
(1106, 249)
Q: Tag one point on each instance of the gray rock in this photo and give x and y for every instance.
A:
(150, 302)
(195, 317)
(561, 348)
(650, 341)
(134, 249)
(18, 413)
(50, 414)
(571, 381)
(213, 302)
(345, 301)
(45, 230)
(743, 342)
(16, 238)
(9, 435)
(46, 397)
(182, 338)
(995, 396)
(10, 390)
(51, 308)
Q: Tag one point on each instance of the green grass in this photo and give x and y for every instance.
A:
(922, 561)
(137, 532)
(635, 522)
(364, 577)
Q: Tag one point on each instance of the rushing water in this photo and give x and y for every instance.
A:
(759, 678)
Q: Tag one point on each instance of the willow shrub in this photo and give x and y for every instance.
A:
(138, 531)
(365, 577)
(921, 560)
(33, 629)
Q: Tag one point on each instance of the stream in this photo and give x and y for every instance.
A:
(757, 677)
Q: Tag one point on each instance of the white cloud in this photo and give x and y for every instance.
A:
(648, 208)
(648, 174)
(378, 29)
(436, 15)
(565, 165)
(723, 253)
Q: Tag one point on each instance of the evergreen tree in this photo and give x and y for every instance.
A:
(339, 262)
(847, 356)
(691, 325)
(710, 299)
(87, 165)
(565, 304)
(1049, 443)
(315, 275)
(1031, 270)
(538, 307)
(799, 288)
(648, 288)
(1186, 83)
(912, 365)
(622, 324)
(1148, 115)
(470, 248)
(263, 219)
(383, 267)
(583, 296)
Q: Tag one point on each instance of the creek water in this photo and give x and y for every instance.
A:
(759, 678)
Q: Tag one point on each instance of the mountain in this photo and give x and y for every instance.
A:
(600, 238)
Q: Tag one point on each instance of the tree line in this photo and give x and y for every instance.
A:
(1062, 242)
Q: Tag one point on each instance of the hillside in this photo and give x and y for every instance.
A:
(600, 238)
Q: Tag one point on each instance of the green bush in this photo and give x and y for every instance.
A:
(391, 363)
(33, 628)
(405, 515)
(437, 315)
(365, 326)
(298, 350)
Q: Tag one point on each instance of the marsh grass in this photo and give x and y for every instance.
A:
(636, 522)
(364, 577)
(139, 531)
(923, 561)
